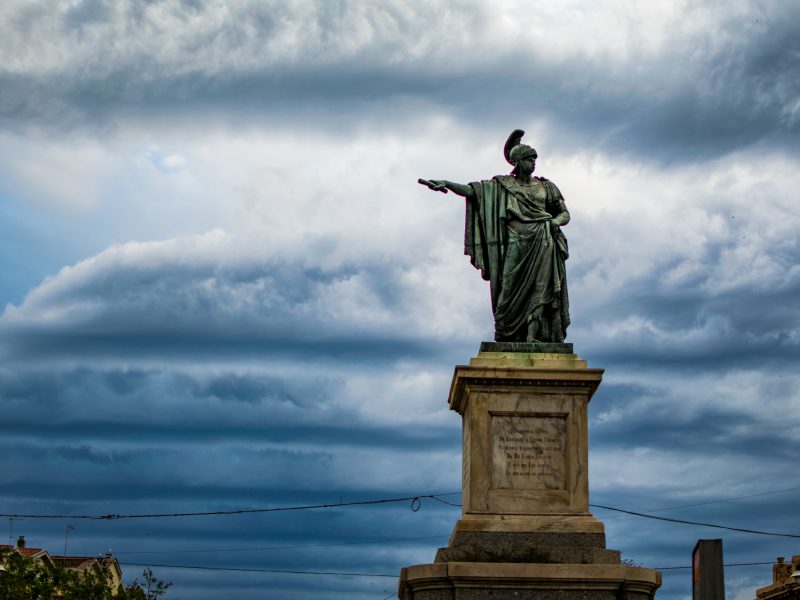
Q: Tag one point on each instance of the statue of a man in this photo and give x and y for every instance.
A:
(513, 236)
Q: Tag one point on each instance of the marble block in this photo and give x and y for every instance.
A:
(526, 531)
(524, 436)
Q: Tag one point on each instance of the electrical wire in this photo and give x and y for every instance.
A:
(727, 565)
(721, 500)
(446, 502)
(414, 499)
(685, 522)
(255, 570)
(351, 574)
(258, 548)
(415, 504)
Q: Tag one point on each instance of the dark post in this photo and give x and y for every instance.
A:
(708, 575)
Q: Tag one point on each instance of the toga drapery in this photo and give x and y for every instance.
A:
(508, 237)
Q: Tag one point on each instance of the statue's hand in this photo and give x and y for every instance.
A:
(553, 226)
(437, 185)
(443, 185)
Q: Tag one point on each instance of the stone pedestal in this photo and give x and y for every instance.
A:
(526, 530)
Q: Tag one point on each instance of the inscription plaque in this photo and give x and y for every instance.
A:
(529, 453)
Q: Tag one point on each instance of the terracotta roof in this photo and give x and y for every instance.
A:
(71, 561)
(23, 551)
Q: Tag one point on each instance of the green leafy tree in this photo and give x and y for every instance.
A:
(25, 578)
(151, 588)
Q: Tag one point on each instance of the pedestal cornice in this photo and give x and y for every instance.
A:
(562, 379)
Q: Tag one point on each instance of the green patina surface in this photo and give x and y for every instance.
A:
(513, 236)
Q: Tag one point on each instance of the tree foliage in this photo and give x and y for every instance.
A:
(31, 579)
(151, 589)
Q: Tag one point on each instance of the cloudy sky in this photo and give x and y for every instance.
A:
(222, 287)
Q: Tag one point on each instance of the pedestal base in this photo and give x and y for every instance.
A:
(499, 581)
(526, 531)
(568, 539)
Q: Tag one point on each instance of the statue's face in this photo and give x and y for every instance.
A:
(526, 166)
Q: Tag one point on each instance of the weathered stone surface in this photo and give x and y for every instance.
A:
(504, 360)
(533, 539)
(479, 581)
(516, 547)
(529, 452)
(506, 553)
(526, 531)
(527, 347)
(525, 439)
(526, 594)
(540, 524)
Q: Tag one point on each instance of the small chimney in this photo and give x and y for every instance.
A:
(21, 541)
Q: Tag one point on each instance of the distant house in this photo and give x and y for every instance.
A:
(97, 564)
(785, 581)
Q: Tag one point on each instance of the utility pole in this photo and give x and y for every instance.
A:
(708, 575)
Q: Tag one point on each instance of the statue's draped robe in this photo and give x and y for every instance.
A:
(509, 239)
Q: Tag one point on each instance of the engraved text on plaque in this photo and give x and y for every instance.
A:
(529, 453)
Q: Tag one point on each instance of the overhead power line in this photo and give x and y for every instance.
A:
(747, 564)
(685, 522)
(415, 506)
(347, 573)
(722, 500)
(416, 502)
(254, 570)
(259, 548)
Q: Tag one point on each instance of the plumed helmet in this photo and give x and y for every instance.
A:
(514, 151)
(521, 151)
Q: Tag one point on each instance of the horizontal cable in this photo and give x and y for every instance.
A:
(748, 564)
(685, 522)
(255, 570)
(350, 574)
(415, 504)
(255, 548)
(721, 500)
(413, 499)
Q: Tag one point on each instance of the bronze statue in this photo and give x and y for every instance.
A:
(513, 236)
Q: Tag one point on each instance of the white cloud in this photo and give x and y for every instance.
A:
(245, 35)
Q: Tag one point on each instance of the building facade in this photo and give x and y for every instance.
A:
(785, 581)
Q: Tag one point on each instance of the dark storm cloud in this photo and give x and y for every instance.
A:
(50, 408)
(193, 304)
(743, 329)
(658, 426)
(721, 295)
(731, 86)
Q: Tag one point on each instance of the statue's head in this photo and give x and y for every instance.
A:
(523, 157)
(515, 151)
(521, 151)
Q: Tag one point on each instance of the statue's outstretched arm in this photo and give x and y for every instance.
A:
(461, 189)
